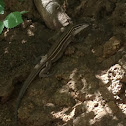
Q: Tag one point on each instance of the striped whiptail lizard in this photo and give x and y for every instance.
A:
(52, 56)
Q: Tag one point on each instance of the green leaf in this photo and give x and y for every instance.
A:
(23, 12)
(13, 19)
(1, 26)
(2, 5)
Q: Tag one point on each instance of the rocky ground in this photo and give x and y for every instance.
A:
(88, 87)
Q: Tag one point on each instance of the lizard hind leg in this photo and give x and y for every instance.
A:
(44, 72)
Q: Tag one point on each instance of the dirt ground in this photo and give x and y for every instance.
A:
(88, 84)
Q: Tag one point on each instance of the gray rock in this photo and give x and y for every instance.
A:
(52, 13)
